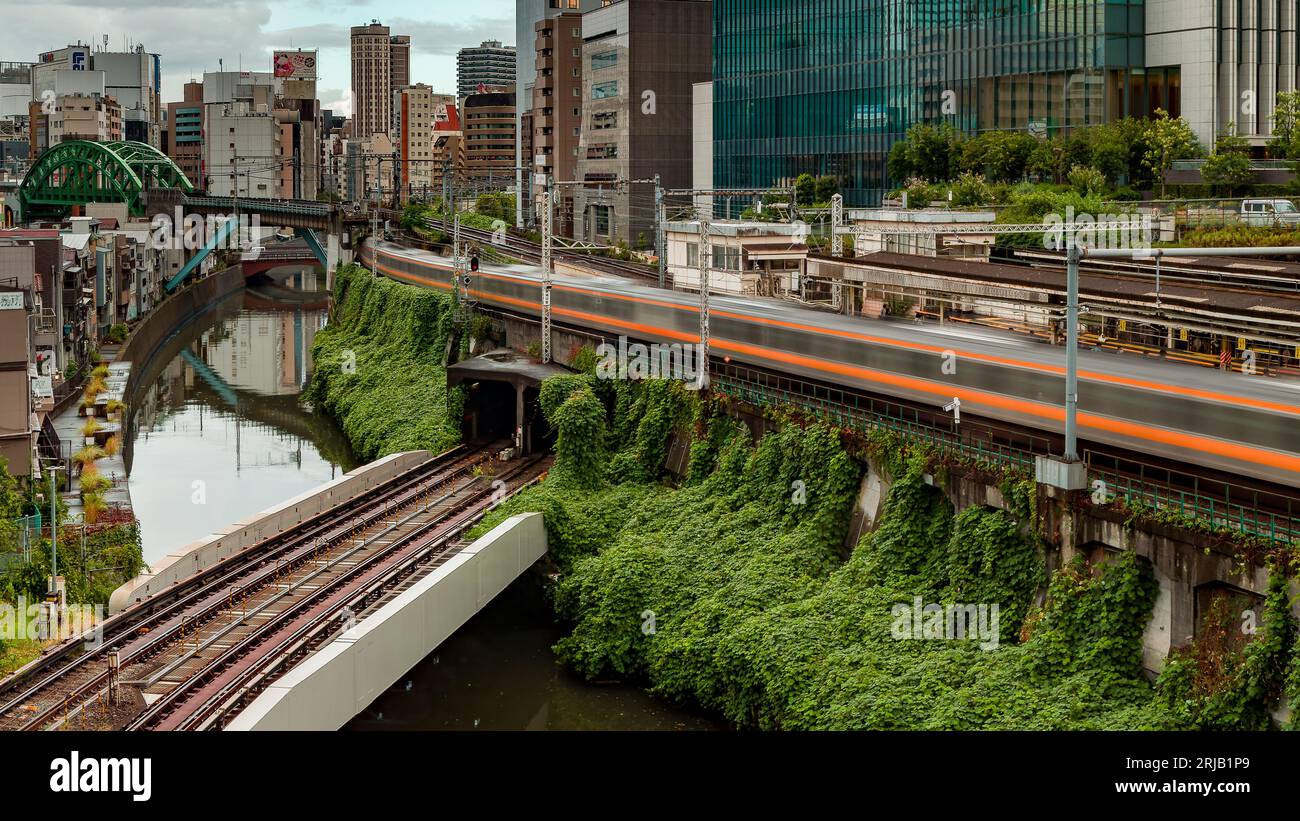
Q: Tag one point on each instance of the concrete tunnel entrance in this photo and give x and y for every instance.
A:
(501, 400)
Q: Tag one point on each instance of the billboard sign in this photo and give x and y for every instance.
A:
(299, 65)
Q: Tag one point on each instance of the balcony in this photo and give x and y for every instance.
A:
(545, 62)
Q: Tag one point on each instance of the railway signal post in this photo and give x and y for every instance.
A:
(546, 272)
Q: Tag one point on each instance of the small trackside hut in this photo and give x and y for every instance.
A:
(501, 399)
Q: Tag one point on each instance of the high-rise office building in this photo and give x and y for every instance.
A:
(381, 64)
(640, 59)
(489, 66)
(832, 98)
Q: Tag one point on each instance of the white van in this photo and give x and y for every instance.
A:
(1269, 212)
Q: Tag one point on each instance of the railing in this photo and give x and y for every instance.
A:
(1220, 504)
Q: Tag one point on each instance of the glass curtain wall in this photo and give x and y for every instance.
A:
(827, 86)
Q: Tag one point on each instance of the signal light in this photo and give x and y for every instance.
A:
(473, 263)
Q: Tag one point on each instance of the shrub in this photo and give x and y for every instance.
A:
(113, 445)
(90, 427)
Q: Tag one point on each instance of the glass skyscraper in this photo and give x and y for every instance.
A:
(827, 86)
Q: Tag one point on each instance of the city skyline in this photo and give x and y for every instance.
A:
(182, 33)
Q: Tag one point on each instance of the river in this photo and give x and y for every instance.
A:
(217, 433)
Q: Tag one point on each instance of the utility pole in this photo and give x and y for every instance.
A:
(661, 250)
(837, 219)
(704, 260)
(54, 534)
(546, 272)
(397, 182)
(1072, 351)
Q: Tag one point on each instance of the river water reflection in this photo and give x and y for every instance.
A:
(217, 429)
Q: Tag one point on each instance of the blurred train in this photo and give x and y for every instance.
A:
(1244, 425)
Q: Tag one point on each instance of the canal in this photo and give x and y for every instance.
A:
(218, 433)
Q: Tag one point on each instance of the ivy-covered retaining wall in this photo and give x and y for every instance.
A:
(378, 366)
(730, 591)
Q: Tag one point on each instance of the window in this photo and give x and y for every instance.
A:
(601, 91)
(577, 72)
(577, 52)
(601, 215)
(576, 92)
(692, 254)
(605, 59)
(577, 112)
(577, 32)
(604, 119)
(724, 258)
(602, 151)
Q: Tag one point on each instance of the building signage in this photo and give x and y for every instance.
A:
(42, 386)
(300, 65)
(11, 300)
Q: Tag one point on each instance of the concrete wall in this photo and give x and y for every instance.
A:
(204, 553)
(171, 313)
(345, 676)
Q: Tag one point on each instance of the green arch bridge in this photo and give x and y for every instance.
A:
(77, 172)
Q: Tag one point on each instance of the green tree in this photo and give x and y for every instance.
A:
(931, 149)
(805, 189)
(488, 205)
(827, 187)
(1285, 143)
(971, 189)
(1168, 140)
(1228, 168)
(1087, 180)
(899, 162)
(1049, 160)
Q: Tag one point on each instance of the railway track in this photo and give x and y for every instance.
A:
(204, 689)
(532, 252)
(71, 686)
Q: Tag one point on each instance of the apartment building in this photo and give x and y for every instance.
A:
(380, 65)
(488, 66)
(185, 132)
(487, 147)
(556, 118)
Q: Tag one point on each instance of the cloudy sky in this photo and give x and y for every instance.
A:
(192, 35)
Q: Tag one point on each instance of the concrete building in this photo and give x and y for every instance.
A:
(18, 436)
(380, 65)
(368, 169)
(750, 258)
(527, 14)
(15, 100)
(488, 66)
(418, 114)
(185, 132)
(556, 119)
(242, 146)
(85, 117)
(487, 148)
(133, 79)
(640, 59)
